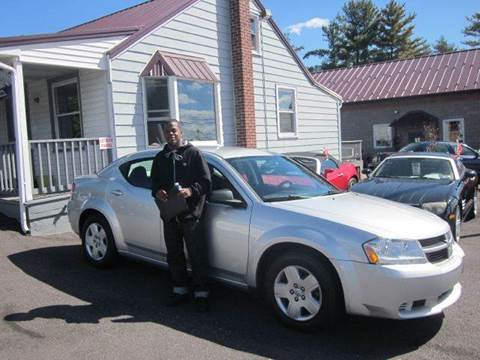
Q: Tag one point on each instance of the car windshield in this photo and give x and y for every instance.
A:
(428, 147)
(415, 168)
(276, 178)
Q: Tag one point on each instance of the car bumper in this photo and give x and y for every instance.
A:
(401, 291)
(73, 211)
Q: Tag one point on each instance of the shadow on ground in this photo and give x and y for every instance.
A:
(134, 293)
(9, 224)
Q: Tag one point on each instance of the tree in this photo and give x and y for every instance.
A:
(335, 52)
(395, 34)
(443, 46)
(473, 30)
(358, 24)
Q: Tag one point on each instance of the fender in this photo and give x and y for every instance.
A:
(95, 203)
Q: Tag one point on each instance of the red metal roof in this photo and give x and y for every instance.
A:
(182, 66)
(427, 75)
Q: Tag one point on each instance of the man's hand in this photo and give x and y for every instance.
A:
(185, 193)
(162, 195)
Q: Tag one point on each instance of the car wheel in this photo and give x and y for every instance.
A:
(98, 244)
(457, 226)
(352, 182)
(303, 291)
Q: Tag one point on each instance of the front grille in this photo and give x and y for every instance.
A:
(437, 256)
(432, 241)
(436, 249)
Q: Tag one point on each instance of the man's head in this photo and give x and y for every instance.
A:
(173, 134)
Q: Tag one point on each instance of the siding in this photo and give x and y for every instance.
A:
(93, 89)
(316, 111)
(203, 30)
(41, 127)
(87, 54)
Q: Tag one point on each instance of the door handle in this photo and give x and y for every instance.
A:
(117, 192)
(341, 174)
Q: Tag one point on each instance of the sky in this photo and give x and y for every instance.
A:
(302, 18)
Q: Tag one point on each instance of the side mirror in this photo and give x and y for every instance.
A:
(366, 171)
(471, 174)
(225, 196)
(327, 171)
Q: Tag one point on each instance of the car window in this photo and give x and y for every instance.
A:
(416, 168)
(465, 150)
(277, 178)
(308, 162)
(415, 147)
(138, 172)
(439, 147)
(328, 164)
(220, 182)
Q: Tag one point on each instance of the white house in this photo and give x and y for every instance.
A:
(72, 101)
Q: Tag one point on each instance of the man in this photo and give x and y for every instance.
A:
(180, 170)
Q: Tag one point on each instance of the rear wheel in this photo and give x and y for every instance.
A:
(98, 245)
(303, 291)
(474, 209)
(352, 182)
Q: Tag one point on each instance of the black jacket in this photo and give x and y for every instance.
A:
(191, 170)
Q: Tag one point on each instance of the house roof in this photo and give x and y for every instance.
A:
(135, 22)
(427, 75)
(182, 66)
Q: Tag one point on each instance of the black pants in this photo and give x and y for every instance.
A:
(176, 232)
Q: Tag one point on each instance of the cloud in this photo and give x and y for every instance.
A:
(314, 23)
(184, 99)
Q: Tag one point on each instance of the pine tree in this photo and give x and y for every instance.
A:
(359, 24)
(443, 46)
(395, 37)
(473, 30)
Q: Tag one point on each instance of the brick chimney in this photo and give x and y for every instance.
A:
(243, 73)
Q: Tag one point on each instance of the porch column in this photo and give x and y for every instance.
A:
(24, 164)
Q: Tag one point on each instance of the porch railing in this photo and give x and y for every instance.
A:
(56, 163)
(8, 171)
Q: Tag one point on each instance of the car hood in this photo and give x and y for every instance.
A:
(407, 191)
(377, 216)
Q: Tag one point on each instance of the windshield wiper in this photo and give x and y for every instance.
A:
(286, 198)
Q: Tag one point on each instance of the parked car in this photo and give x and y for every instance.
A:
(304, 245)
(435, 182)
(342, 175)
(469, 157)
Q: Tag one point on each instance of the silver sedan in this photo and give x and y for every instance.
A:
(274, 226)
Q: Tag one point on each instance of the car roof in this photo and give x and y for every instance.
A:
(312, 154)
(422, 155)
(225, 152)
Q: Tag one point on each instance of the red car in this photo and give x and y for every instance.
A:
(343, 175)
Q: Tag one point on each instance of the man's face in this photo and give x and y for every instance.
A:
(173, 134)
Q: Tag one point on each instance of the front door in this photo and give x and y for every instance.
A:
(227, 230)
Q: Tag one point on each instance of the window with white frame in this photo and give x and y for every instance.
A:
(255, 33)
(286, 111)
(382, 136)
(193, 102)
(66, 109)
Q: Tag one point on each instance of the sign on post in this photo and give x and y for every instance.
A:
(105, 143)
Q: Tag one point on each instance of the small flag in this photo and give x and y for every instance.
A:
(459, 148)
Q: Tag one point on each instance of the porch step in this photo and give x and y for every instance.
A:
(47, 215)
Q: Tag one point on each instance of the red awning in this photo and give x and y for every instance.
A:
(182, 66)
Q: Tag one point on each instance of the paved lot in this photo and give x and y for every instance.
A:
(54, 306)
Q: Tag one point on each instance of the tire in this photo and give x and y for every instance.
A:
(352, 182)
(457, 225)
(286, 286)
(98, 244)
(474, 210)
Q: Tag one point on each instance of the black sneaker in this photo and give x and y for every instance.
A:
(201, 304)
(177, 299)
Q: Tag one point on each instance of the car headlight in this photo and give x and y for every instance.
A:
(438, 207)
(389, 251)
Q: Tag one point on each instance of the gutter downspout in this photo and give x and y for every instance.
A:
(265, 117)
(110, 107)
(19, 149)
(339, 121)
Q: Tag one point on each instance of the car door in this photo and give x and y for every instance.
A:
(139, 218)
(466, 189)
(470, 158)
(333, 174)
(227, 227)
